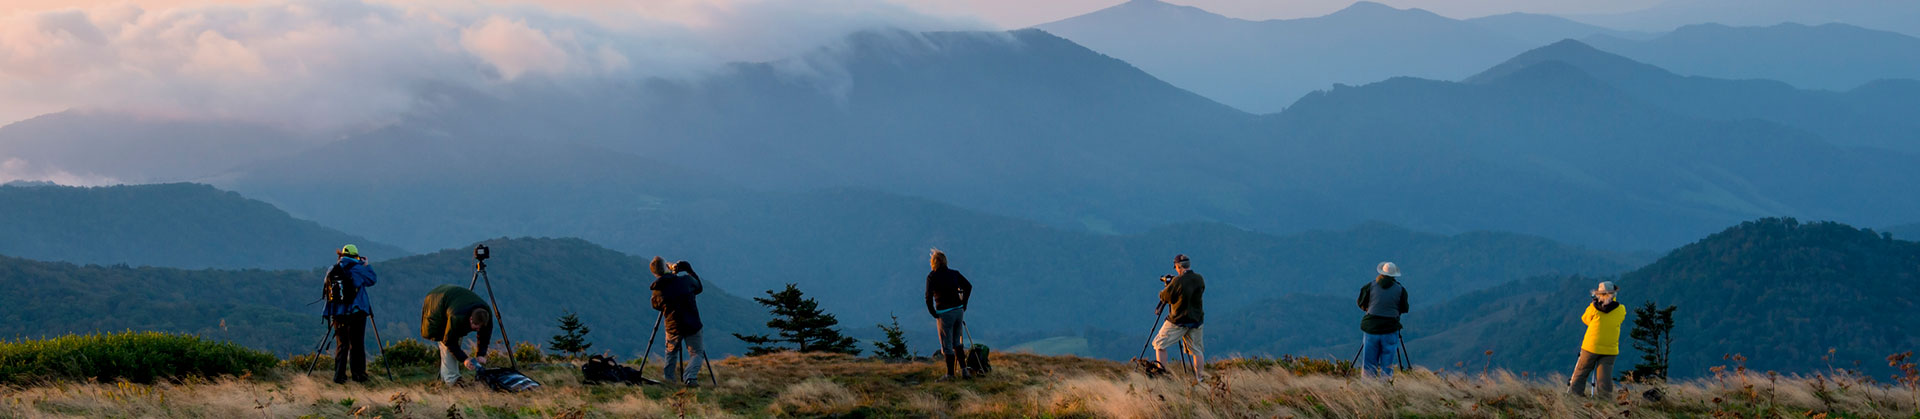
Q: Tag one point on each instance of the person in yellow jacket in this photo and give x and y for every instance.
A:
(1602, 344)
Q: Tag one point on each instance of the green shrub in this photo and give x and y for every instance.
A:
(528, 352)
(139, 357)
(302, 361)
(408, 353)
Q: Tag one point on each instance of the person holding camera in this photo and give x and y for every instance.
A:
(673, 296)
(947, 294)
(1182, 294)
(1384, 300)
(1601, 344)
(448, 314)
(347, 310)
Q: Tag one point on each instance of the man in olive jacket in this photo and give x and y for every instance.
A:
(449, 314)
(1182, 294)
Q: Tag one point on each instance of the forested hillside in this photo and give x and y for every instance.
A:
(1777, 291)
(175, 225)
(534, 279)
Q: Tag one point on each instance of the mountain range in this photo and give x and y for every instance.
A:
(1032, 126)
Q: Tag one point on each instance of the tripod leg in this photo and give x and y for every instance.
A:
(648, 355)
(321, 347)
(709, 362)
(388, 365)
(1405, 363)
(498, 318)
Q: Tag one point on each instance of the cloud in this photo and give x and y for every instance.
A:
(325, 64)
(13, 170)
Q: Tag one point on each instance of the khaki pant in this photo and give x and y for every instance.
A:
(1600, 367)
(690, 348)
(449, 367)
(1171, 334)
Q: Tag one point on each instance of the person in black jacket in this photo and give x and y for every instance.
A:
(947, 294)
(673, 296)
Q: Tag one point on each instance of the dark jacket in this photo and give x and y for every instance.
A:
(445, 317)
(946, 288)
(1183, 295)
(363, 277)
(1384, 300)
(673, 297)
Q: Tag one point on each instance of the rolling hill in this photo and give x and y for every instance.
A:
(535, 280)
(1780, 292)
(1834, 57)
(173, 225)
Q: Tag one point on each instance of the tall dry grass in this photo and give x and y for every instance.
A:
(1021, 386)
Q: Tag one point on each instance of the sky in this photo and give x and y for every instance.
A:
(334, 63)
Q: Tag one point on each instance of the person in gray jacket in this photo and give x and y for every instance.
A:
(1384, 300)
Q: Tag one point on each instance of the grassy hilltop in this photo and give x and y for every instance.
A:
(813, 385)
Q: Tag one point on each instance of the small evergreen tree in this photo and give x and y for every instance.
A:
(800, 322)
(896, 345)
(572, 339)
(1653, 337)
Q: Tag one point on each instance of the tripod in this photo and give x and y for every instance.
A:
(326, 342)
(480, 273)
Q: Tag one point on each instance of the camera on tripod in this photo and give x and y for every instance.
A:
(480, 253)
(1166, 278)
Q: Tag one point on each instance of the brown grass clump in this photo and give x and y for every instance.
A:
(815, 397)
(1022, 385)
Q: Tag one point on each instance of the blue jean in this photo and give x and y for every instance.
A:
(1376, 354)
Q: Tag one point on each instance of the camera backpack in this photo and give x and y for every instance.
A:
(339, 287)
(977, 359)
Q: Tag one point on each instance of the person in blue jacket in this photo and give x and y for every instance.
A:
(349, 317)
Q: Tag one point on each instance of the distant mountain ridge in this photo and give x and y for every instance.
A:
(1833, 56)
(1874, 115)
(174, 225)
(1264, 66)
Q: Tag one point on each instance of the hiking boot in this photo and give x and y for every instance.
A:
(361, 379)
(694, 383)
(966, 373)
(339, 379)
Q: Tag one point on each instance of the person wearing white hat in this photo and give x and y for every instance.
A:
(1602, 343)
(1384, 300)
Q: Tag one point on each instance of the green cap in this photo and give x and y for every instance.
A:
(350, 250)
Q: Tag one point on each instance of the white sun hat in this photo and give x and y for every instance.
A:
(1389, 269)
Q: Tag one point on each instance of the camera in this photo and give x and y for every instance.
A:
(1166, 278)
(480, 253)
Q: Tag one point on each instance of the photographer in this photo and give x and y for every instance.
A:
(947, 294)
(1384, 300)
(1601, 344)
(351, 275)
(1182, 293)
(673, 296)
(448, 314)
